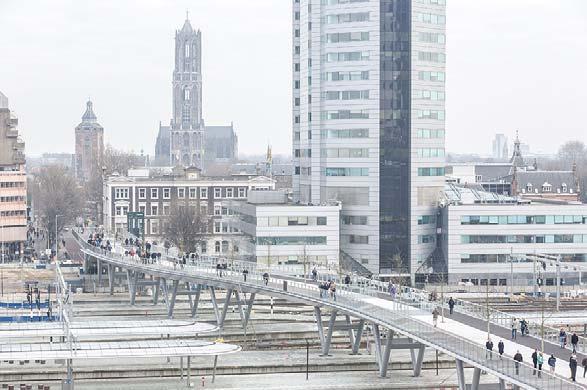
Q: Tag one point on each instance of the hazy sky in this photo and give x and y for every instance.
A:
(512, 64)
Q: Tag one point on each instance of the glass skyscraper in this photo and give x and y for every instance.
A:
(368, 113)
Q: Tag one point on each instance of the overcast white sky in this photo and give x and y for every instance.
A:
(511, 65)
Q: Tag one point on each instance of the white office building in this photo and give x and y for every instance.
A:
(483, 232)
(277, 232)
(368, 113)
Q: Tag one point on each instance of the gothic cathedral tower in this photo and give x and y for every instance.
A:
(187, 125)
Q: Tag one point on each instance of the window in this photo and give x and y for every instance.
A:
(204, 246)
(187, 50)
(429, 37)
(224, 246)
(430, 18)
(154, 193)
(321, 221)
(154, 209)
(229, 192)
(345, 133)
(546, 187)
(217, 193)
(427, 220)
(241, 192)
(204, 193)
(430, 171)
(217, 246)
(217, 208)
(181, 193)
(142, 193)
(431, 76)
(346, 18)
(166, 193)
(430, 114)
(345, 95)
(346, 153)
(121, 193)
(354, 219)
(142, 208)
(356, 239)
(186, 94)
(193, 192)
(355, 36)
(426, 239)
(430, 133)
(345, 76)
(165, 208)
(346, 171)
(344, 114)
(425, 94)
(302, 240)
(154, 226)
(430, 152)
(346, 56)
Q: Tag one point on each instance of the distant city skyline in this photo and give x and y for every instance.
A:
(500, 78)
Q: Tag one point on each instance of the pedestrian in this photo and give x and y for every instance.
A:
(451, 305)
(514, 328)
(517, 360)
(500, 348)
(523, 327)
(552, 363)
(489, 349)
(347, 280)
(266, 278)
(322, 288)
(534, 361)
(573, 367)
(245, 273)
(574, 342)
(314, 274)
(562, 337)
(584, 364)
(435, 316)
(333, 290)
(540, 363)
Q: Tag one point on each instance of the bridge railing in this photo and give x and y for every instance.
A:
(404, 294)
(359, 301)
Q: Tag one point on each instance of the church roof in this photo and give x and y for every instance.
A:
(219, 131)
(89, 115)
(517, 160)
(187, 27)
(537, 179)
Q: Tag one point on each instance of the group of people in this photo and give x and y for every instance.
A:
(328, 288)
(562, 338)
(522, 324)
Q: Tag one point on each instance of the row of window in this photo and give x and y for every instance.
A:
(302, 152)
(335, 2)
(426, 75)
(430, 114)
(305, 240)
(430, 37)
(13, 213)
(192, 192)
(11, 184)
(428, 95)
(345, 95)
(425, 17)
(344, 114)
(346, 152)
(291, 221)
(355, 36)
(4, 199)
(346, 76)
(427, 220)
(505, 258)
(354, 220)
(345, 133)
(433, 171)
(431, 2)
(354, 239)
(522, 219)
(525, 239)
(429, 133)
(346, 56)
(426, 239)
(430, 152)
(346, 18)
(430, 56)
(346, 171)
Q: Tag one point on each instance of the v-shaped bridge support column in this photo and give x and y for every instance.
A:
(417, 355)
(225, 308)
(461, 374)
(111, 278)
(194, 302)
(215, 305)
(244, 312)
(172, 300)
(325, 339)
(382, 353)
(132, 278)
(156, 289)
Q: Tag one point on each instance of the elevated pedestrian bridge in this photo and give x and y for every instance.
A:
(389, 320)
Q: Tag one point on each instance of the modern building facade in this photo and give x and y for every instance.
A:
(187, 141)
(89, 145)
(368, 113)
(155, 196)
(481, 241)
(277, 232)
(13, 191)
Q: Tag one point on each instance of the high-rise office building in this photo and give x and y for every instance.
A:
(368, 113)
(500, 147)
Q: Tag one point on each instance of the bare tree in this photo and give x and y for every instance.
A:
(58, 198)
(572, 152)
(185, 226)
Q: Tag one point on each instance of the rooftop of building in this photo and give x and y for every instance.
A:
(473, 194)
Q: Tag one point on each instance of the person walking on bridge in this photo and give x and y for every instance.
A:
(435, 317)
(574, 342)
(540, 361)
(500, 348)
(517, 360)
(266, 278)
(534, 361)
(489, 349)
(514, 326)
(552, 363)
(451, 305)
(584, 364)
(573, 367)
(562, 338)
